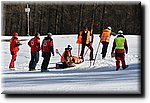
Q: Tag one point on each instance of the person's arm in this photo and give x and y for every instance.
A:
(66, 55)
(92, 37)
(29, 43)
(113, 33)
(52, 47)
(126, 46)
(17, 43)
(38, 44)
(79, 34)
(113, 48)
(42, 45)
(101, 31)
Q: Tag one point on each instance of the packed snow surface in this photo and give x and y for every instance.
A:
(98, 79)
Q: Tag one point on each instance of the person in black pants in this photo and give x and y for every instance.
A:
(86, 41)
(47, 49)
(105, 39)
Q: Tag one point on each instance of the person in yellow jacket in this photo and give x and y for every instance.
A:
(104, 39)
(85, 38)
(120, 46)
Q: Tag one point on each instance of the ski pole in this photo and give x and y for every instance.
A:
(90, 57)
(78, 50)
(58, 52)
(85, 53)
(96, 53)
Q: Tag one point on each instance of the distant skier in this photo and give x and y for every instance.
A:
(47, 48)
(85, 37)
(104, 39)
(14, 48)
(34, 43)
(120, 46)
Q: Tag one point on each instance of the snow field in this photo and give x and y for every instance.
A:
(101, 78)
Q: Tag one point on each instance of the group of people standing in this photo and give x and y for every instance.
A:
(85, 38)
(47, 49)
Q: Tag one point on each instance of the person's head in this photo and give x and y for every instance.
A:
(85, 29)
(109, 28)
(66, 49)
(120, 32)
(49, 34)
(69, 47)
(37, 34)
(15, 34)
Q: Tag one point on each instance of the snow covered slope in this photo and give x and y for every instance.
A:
(101, 78)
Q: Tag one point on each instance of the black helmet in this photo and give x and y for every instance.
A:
(69, 47)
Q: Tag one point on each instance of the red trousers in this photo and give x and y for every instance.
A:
(120, 57)
(13, 59)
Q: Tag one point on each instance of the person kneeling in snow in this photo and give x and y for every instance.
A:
(66, 57)
(47, 48)
(68, 60)
(120, 46)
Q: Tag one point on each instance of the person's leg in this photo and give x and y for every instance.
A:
(105, 46)
(47, 59)
(117, 63)
(102, 48)
(91, 51)
(117, 57)
(65, 65)
(43, 63)
(13, 59)
(32, 61)
(123, 61)
(36, 58)
(82, 51)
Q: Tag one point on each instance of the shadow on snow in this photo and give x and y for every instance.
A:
(91, 75)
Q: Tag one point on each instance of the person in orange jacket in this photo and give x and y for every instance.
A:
(66, 57)
(34, 44)
(120, 46)
(85, 38)
(104, 39)
(14, 48)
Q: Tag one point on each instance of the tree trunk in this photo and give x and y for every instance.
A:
(56, 20)
(62, 17)
(102, 19)
(93, 17)
(80, 18)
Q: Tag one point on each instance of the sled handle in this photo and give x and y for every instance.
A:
(58, 52)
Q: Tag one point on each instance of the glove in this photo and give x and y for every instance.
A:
(90, 43)
(112, 55)
(12, 53)
(126, 52)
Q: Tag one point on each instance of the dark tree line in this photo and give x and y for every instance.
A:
(70, 18)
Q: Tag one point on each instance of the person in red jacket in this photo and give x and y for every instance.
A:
(34, 44)
(14, 48)
(47, 48)
(120, 46)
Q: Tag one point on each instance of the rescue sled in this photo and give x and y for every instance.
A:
(76, 61)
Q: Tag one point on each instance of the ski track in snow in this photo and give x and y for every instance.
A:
(100, 78)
